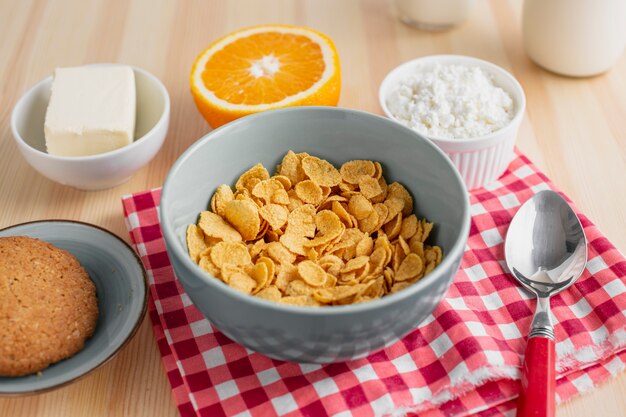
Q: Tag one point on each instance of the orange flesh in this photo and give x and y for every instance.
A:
(228, 73)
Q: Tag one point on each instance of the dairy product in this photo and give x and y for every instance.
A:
(574, 37)
(433, 14)
(451, 102)
(91, 110)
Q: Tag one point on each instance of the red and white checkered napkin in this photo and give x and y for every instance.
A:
(464, 359)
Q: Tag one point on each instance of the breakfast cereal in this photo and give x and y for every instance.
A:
(313, 235)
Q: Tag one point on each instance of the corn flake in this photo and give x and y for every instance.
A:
(301, 221)
(370, 223)
(392, 229)
(397, 190)
(378, 170)
(228, 270)
(340, 210)
(261, 275)
(299, 287)
(309, 192)
(294, 242)
(383, 195)
(291, 167)
(312, 273)
(411, 267)
(256, 248)
(328, 225)
(271, 266)
(352, 171)
(320, 171)
(369, 187)
(206, 264)
(222, 195)
(394, 207)
(275, 215)
(271, 293)
(280, 197)
(360, 206)
(266, 189)
(235, 253)
(242, 282)
(252, 176)
(285, 181)
(409, 227)
(214, 226)
(195, 242)
(243, 215)
(365, 246)
(285, 275)
(355, 263)
(279, 253)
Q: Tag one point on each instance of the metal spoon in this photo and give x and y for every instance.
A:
(546, 251)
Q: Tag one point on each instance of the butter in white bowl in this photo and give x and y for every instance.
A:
(102, 170)
(91, 110)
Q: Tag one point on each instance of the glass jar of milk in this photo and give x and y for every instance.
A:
(433, 14)
(574, 37)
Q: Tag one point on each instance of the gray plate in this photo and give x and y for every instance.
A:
(121, 287)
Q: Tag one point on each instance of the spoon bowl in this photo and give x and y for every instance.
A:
(546, 251)
(546, 248)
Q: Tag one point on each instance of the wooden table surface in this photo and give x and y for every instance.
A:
(574, 129)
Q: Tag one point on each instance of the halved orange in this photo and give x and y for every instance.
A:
(262, 68)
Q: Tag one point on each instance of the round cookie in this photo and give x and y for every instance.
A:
(48, 305)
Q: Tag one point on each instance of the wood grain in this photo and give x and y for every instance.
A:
(574, 129)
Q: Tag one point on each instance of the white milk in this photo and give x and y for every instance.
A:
(433, 14)
(574, 37)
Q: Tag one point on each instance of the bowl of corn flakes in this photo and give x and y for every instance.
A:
(315, 234)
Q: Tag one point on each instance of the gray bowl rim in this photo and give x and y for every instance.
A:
(169, 235)
(127, 339)
(128, 148)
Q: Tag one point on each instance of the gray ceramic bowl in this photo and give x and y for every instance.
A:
(122, 298)
(328, 334)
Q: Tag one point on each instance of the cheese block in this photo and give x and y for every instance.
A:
(91, 110)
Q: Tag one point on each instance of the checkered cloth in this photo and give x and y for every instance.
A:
(463, 359)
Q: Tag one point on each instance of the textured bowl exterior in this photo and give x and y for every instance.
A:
(100, 171)
(481, 160)
(481, 163)
(329, 334)
(121, 289)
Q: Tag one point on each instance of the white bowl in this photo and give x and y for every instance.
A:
(93, 172)
(480, 160)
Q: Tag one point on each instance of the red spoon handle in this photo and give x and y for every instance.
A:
(537, 397)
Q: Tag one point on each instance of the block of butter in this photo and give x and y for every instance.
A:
(91, 110)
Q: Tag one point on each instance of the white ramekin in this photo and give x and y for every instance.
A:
(480, 160)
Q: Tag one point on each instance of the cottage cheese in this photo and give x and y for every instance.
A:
(451, 102)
